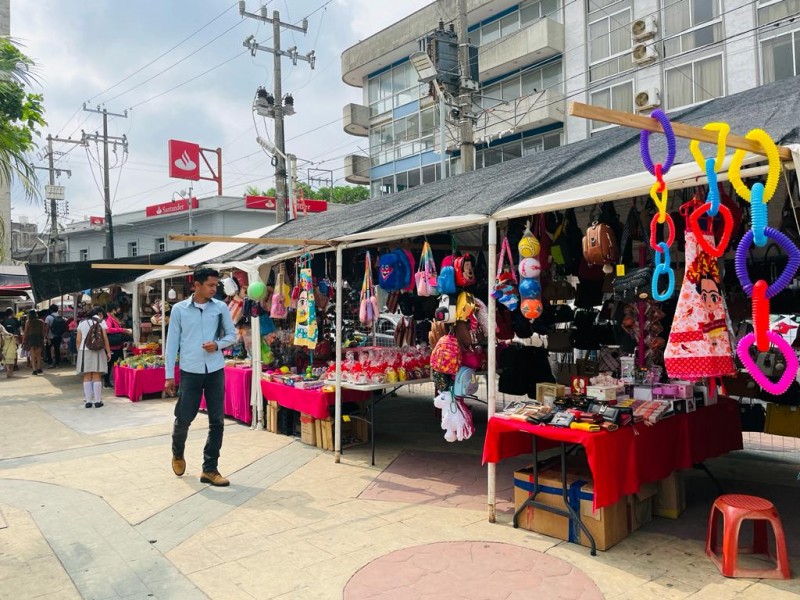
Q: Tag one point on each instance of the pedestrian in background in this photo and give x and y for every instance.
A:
(9, 346)
(33, 339)
(93, 355)
(199, 328)
(116, 339)
(56, 328)
(13, 326)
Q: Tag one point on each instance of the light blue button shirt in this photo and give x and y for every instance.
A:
(190, 327)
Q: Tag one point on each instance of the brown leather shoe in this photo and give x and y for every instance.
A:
(178, 466)
(214, 478)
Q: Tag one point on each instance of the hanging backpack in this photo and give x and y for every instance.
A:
(600, 245)
(392, 271)
(94, 337)
(425, 277)
(463, 383)
(407, 259)
(59, 326)
(505, 283)
(368, 307)
(446, 356)
(464, 267)
(447, 276)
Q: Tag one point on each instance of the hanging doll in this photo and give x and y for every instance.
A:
(305, 332)
(700, 343)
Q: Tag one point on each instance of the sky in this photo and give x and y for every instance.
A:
(99, 52)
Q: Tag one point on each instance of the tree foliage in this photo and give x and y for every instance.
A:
(21, 117)
(339, 194)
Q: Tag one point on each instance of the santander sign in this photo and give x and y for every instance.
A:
(184, 160)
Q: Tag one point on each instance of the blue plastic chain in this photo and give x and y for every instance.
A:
(759, 215)
(713, 189)
(663, 267)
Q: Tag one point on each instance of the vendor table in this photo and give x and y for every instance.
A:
(135, 383)
(311, 402)
(378, 391)
(238, 383)
(622, 460)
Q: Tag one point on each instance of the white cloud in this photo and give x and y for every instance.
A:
(370, 16)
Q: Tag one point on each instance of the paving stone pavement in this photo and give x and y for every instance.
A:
(93, 510)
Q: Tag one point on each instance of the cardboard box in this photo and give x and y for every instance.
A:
(640, 506)
(679, 405)
(272, 416)
(670, 500)
(642, 392)
(603, 393)
(308, 434)
(325, 435)
(607, 525)
(546, 393)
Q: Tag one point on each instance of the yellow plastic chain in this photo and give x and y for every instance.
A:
(661, 203)
(722, 129)
(774, 164)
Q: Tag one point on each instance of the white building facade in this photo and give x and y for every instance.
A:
(536, 56)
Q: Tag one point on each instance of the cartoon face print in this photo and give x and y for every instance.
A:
(469, 271)
(710, 294)
(302, 308)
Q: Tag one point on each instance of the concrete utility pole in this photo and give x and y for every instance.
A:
(465, 92)
(50, 192)
(109, 253)
(280, 108)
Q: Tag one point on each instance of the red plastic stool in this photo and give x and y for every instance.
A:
(734, 509)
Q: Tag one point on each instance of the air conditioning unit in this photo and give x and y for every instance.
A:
(644, 29)
(647, 99)
(644, 53)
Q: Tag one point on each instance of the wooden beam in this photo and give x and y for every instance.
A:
(689, 132)
(142, 266)
(245, 240)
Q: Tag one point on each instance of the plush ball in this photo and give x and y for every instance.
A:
(530, 288)
(531, 308)
(256, 291)
(230, 286)
(529, 247)
(530, 268)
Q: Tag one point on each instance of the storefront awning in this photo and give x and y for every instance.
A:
(49, 280)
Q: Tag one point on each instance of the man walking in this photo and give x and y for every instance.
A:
(199, 328)
(56, 327)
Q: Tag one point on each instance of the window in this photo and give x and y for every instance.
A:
(694, 82)
(690, 24)
(393, 88)
(609, 38)
(618, 97)
(133, 248)
(537, 143)
(772, 10)
(780, 57)
(524, 15)
(530, 12)
(161, 244)
(83, 255)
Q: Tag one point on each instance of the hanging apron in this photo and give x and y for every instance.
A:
(700, 342)
(305, 331)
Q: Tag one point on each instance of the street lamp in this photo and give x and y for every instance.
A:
(426, 72)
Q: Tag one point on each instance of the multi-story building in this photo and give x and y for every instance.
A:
(30, 245)
(536, 56)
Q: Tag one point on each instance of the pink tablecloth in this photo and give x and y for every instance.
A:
(238, 383)
(312, 402)
(135, 383)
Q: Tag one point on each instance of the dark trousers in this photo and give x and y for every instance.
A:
(115, 356)
(192, 388)
(54, 350)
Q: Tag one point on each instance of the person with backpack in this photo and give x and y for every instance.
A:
(93, 354)
(13, 327)
(56, 328)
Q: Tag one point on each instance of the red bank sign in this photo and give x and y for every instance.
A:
(97, 220)
(184, 160)
(268, 203)
(168, 208)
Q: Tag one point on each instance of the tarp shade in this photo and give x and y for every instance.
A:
(50, 280)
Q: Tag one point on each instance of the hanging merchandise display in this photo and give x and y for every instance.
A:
(368, 307)
(505, 286)
(530, 288)
(425, 277)
(762, 291)
(305, 331)
(658, 192)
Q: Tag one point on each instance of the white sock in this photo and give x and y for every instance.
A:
(87, 390)
(98, 390)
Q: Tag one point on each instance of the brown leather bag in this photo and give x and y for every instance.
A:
(600, 245)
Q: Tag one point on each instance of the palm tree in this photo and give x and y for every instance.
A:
(20, 114)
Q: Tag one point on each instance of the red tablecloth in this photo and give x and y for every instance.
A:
(621, 461)
(238, 383)
(134, 383)
(312, 402)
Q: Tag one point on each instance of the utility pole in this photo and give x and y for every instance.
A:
(466, 87)
(109, 253)
(319, 180)
(54, 193)
(279, 106)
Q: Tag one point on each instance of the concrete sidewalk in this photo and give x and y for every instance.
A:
(90, 508)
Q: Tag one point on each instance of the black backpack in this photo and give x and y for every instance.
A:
(12, 325)
(59, 325)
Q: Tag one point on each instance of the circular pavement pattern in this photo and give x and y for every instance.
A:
(469, 570)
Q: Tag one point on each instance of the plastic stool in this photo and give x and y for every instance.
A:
(734, 509)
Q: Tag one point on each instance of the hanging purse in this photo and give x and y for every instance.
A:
(426, 277)
(506, 291)
(636, 284)
(278, 308)
(368, 306)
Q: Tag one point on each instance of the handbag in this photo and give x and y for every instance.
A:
(608, 359)
(368, 306)
(559, 340)
(506, 290)
(637, 283)
(753, 417)
(426, 277)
